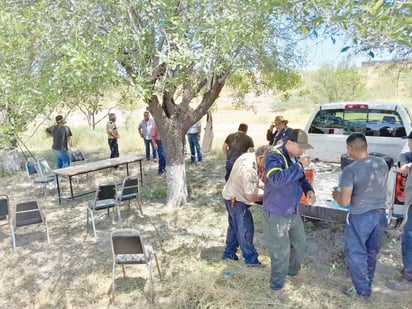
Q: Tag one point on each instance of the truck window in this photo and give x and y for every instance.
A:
(371, 122)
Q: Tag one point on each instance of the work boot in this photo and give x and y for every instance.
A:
(403, 285)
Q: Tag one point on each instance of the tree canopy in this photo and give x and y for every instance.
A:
(176, 56)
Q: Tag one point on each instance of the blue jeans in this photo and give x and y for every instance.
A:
(62, 158)
(148, 143)
(240, 232)
(363, 236)
(162, 160)
(114, 148)
(286, 242)
(194, 147)
(407, 247)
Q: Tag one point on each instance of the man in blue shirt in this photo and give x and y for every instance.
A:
(283, 227)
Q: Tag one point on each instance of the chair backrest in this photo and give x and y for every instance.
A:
(27, 213)
(127, 241)
(76, 155)
(106, 191)
(130, 185)
(4, 205)
(44, 167)
(30, 168)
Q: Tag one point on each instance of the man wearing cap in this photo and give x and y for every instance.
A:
(283, 229)
(282, 131)
(62, 141)
(236, 144)
(363, 186)
(113, 135)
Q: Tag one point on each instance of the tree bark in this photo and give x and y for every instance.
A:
(176, 185)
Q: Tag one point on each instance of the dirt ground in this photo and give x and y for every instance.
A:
(75, 271)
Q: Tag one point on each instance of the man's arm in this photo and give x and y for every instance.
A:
(253, 198)
(343, 197)
(69, 142)
(225, 148)
(199, 130)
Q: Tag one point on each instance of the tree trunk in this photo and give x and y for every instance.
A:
(176, 185)
(175, 164)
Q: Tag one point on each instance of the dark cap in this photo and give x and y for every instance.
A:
(408, 136)
(243, 127)
(301, 138)
(59, 118)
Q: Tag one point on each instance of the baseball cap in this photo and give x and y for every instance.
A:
(301, 138)
(408, 136)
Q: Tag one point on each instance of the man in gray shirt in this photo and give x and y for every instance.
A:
(363, 186)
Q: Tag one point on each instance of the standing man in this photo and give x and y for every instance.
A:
(239, 192)
(62, 141)
(363, 186)
(283, 229)
(157, 142)
(193, 137)
(405, 159)
(113, 135)
(281, 133)
(236, 144)
(145, 126)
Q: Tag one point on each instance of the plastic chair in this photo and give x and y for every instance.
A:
(36, 178)
(105, 198)
(28, 213)
(130, 191)
(5, 210)
(128, 248)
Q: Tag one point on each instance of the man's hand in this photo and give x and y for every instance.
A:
(404, 170)
(310, 197)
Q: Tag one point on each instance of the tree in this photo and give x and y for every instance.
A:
(337, 84)
(373, 25)
(173, 55)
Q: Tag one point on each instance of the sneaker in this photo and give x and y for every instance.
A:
(280, 294)
(234, 257)
(351, 292)
(258, 264)
(403, 285)
(154, 160)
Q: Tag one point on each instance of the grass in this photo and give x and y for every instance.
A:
(75, 271)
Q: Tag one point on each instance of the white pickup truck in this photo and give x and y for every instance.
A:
(384, 124)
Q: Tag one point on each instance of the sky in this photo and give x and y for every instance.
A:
(323, 51)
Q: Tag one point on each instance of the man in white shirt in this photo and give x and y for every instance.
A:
(193, 137)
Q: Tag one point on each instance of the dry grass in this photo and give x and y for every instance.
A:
(75, 271)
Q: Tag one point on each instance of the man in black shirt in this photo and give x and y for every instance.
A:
(236, 144)
(62, 141)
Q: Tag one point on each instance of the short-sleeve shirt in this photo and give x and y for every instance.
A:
(194, 129)
(154, 132)
(111, 127)
(405, 157)
(146, 127)
(367, 177)
(243, 180)
(238, 143)
(60, 134)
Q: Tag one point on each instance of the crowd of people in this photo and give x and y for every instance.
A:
(274, 176)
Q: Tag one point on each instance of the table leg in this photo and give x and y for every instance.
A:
(58, 189)
(71, 189)
(141, 173)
